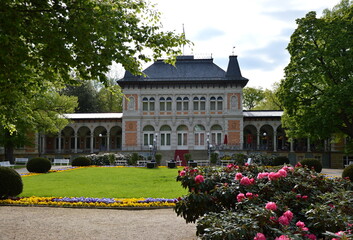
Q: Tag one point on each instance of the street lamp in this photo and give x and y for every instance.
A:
(208, 146)
(100, 141)
(154, 146)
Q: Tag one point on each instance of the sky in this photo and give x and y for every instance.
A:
(257, 31)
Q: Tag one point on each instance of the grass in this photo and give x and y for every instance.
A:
(105, 182)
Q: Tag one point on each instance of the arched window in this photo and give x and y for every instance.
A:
(202, 103)
(199, 133)
(182, 135)
(219, 103)
(165, 135)
(213, 103)
(196, 103)
(185, 103)
(216, 135)
(131, 105)
(234, 103)
(169, 104)
(151, 104)
(179, 102)
(148, 134)
(145, 104)
(162, 105)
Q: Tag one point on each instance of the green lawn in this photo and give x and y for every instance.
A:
(105, 182)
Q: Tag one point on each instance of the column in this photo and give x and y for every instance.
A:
(92, 139)
(258, 140)
(75, 142)
(43, 143)
(59, 142)
(275, 142)
(308, 145)
(108, 141)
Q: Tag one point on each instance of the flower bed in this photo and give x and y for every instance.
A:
(251, 202)
(91, 202)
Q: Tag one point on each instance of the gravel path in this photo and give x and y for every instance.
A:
(39, 223)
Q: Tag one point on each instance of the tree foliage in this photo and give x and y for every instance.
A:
(252, 97)
(49, 43)
(270, 100)
(317, 90)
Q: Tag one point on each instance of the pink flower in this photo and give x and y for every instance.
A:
(249, 195)
(283, 220)
(304, 197)
(282, 237)
(245, 181)
(260, 236)
(305, 229)
(298, 196)
(199, 179)
(182, 173)
(282, 173)
(271, 206)
(289, 215)
(300, 224)
(273, 176)
(311, 236)
(262, 175)
(238, 176)
(240, 197)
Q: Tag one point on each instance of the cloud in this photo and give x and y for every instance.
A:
(208, 34)
(286, 16)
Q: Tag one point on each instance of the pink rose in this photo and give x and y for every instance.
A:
(298, 196)
(271, 206)
(260, 236)
(283, 220)
(199, 179)
(304, 197)
(311, 236)
(182, 173)
(262, 175)
(230, 165)
(249, 195)
(245, 181)
(240, 197)
(282, 173)
(238, 176)
(273, 176)
(300, 224)
(289, 215)
(282, 237)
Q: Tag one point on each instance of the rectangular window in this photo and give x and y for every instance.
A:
(178, 106)
(186, 106)
(202, 139)
(203, 106)
(219, 105)
(179, 139)
(169, 106)
(145, 106)
(196, 106)
(151, 106)
(196, 139)
(145, 139)
(163, 139)
(185, 139)
(162, 106)
(168, 139)
(213, 105)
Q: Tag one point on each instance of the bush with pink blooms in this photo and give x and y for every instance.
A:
(252, 202)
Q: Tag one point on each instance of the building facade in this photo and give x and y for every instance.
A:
(194, 106)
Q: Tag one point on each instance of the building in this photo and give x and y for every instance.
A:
(194, 106)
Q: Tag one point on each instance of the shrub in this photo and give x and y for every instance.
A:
(280, 160)
(312, 163)
(134, 158)
(231, 203)
(38, 165)
(81, 162)
(10, 183)
(348, 172)
(239, 158)
(187, 157)
(158, 157)
(214, 158)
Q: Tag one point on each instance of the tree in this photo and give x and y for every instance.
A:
(46, 116)
(270, 100)
(317, 90)
(252, 97)
(46, 43)
(87, 97)
(110, 98)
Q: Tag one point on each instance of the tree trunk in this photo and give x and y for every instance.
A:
(9, 148)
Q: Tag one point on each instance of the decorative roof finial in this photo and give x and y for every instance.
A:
(233, 50)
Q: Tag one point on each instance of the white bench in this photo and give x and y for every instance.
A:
(61, 161)
(6, 164)
(121, 162)
(21, 161)
(225, 163)
(142, 163)
(202, 162)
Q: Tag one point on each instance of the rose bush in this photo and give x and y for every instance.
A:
(252, 202)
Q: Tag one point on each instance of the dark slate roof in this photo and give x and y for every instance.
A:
(187, 69)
